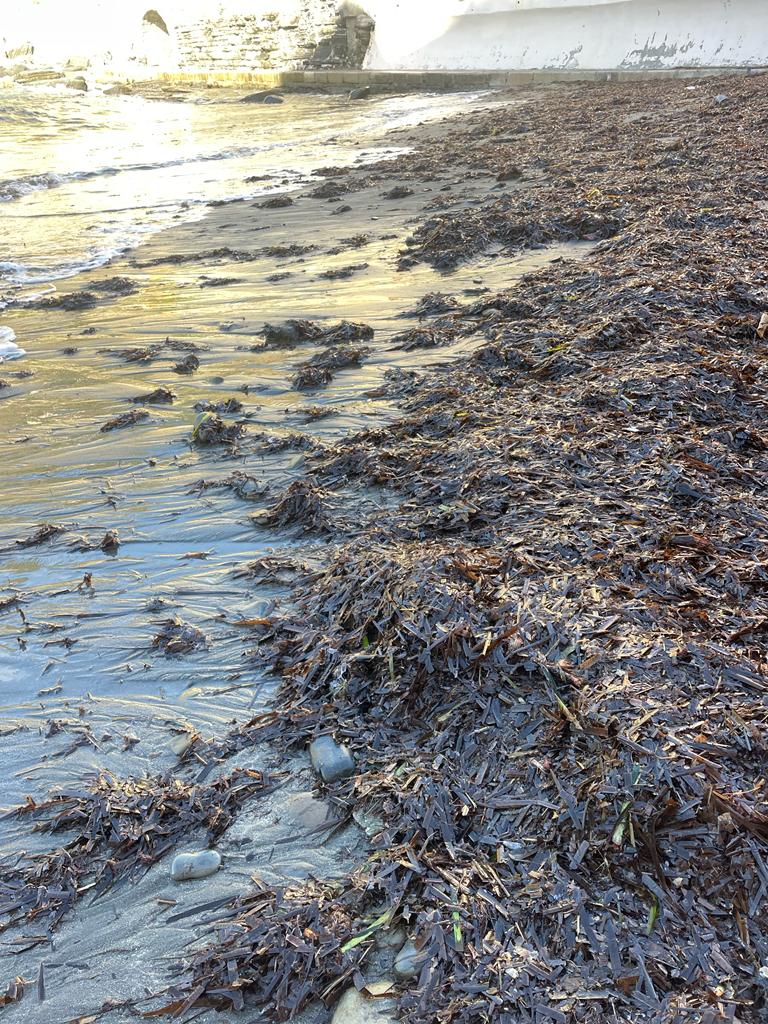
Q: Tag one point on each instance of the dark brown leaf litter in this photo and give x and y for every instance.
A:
(125, 419)
(178, 637)
(548, 651)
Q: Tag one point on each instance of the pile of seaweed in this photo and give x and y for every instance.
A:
(548, 652)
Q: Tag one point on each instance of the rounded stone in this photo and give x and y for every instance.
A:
(356, 1008)
(187, 866)
(330, 759)
(409, 961)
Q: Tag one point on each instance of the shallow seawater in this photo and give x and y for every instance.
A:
(83, 176)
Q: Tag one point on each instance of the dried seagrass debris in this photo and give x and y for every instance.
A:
(187, 365)
(178, 637)
(330, 190)
(318, 370)
(423, 337)
(115, 286)
(554, 686)
(121, 826)
(211, 429)
(228, 406)
(312, 921)
(160, 396)
(273, 569)
(244, 485)
(44, 532)
(276, 202)
(398, 192)
(291, 332)
(432, 304)
(301, 504)
(340, 273)
(346, 331)
(310, 377)
(313, 413)
(445, 240)
(72, 302)
(124, 419)
(339, 356)
(134, 354)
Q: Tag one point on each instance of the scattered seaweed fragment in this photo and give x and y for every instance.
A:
(178, 637)
(301, 504)
(160, 396)
(124, 419)
(121, 826)
(210, 429)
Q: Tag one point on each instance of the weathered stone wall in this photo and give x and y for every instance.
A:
(146, 36)
(318, 33)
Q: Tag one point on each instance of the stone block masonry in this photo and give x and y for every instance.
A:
(319, 34)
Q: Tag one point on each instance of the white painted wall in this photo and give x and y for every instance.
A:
(526, 34)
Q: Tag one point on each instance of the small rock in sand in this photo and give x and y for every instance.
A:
(360, 94)
(262, 97)
(180, 744)
(356, 1008)
(186, 866)
(79, 84)
(409, 960)
(330, 759)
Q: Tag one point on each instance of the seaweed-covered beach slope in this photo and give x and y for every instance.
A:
(549, 654)
(533, 602)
